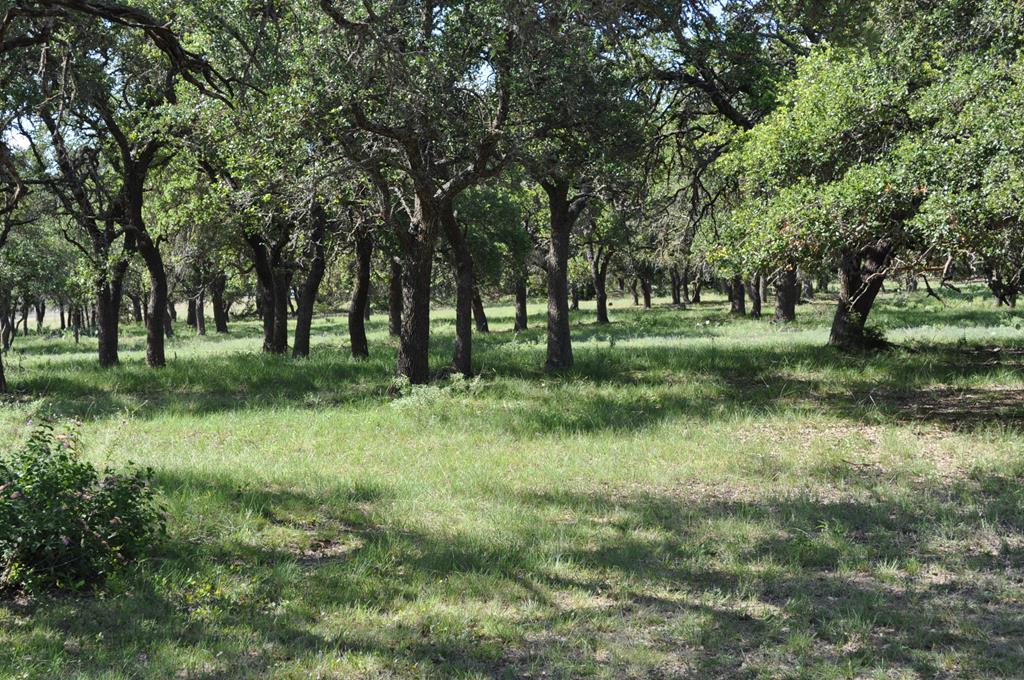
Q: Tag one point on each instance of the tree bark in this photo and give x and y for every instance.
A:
(738, 296)
(861, 275)
(754, 292)
(634, 288)
(676, 285)
(150, 252)
(522, 315)
(599, 273)
(109, 287)
(360, 296)
(479, 313)
(465, 290)
(645, 287)
(316, 254)
(190, 317)
(201, 313)
(395, 298)
(787, 292)
(220, 311)
(562, 216)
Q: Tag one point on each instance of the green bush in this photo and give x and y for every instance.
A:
(62, 523)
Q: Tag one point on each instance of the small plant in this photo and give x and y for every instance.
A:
(65, 525)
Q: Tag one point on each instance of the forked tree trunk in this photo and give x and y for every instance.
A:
(786, 294)
(395, 298)
(522, 315)
(738, 296)
(861, 275)
(360, 297)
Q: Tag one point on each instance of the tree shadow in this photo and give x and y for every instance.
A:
(704, 581)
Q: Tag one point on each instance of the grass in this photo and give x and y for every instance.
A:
(702, 496)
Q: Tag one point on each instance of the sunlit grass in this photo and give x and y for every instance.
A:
(700, 496)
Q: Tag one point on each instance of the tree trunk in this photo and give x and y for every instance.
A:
(786, 294)
(220, 310)
(150, 252)
(282, 299)
(40, 315)
(522, 315)
(738, 296)
(807, 288)
(634, 288)
(109, 287)
(754, 292)
(360, 297)
(136, 308)
(675, 281)
(414, 341)
(316, 254)
(190, 318)
(645, 286)
(63, 319)
(861, 275)
(395, 298)
(574, 298)
(698, 286)
(464, 291)
(201, 313)
(559, 355)
(479, 313)
(599, 272)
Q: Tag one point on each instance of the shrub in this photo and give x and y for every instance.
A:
(62, 523)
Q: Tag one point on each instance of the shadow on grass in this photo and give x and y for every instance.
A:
(671, 368)
(705, 584)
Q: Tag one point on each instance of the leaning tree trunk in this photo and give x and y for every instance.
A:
(754, 292)
(479, 313)
(787, 291)
(462, 356)
(861, 275)
(360, 297)
(395, 298)
(738, 295)
(556, 262)
(522, 315)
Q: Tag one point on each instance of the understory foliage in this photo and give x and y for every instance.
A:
(63, 523)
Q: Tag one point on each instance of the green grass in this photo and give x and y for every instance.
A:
(701, 496)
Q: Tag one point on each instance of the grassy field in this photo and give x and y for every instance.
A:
(701, 497)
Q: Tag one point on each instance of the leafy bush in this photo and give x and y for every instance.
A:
(62, 523)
